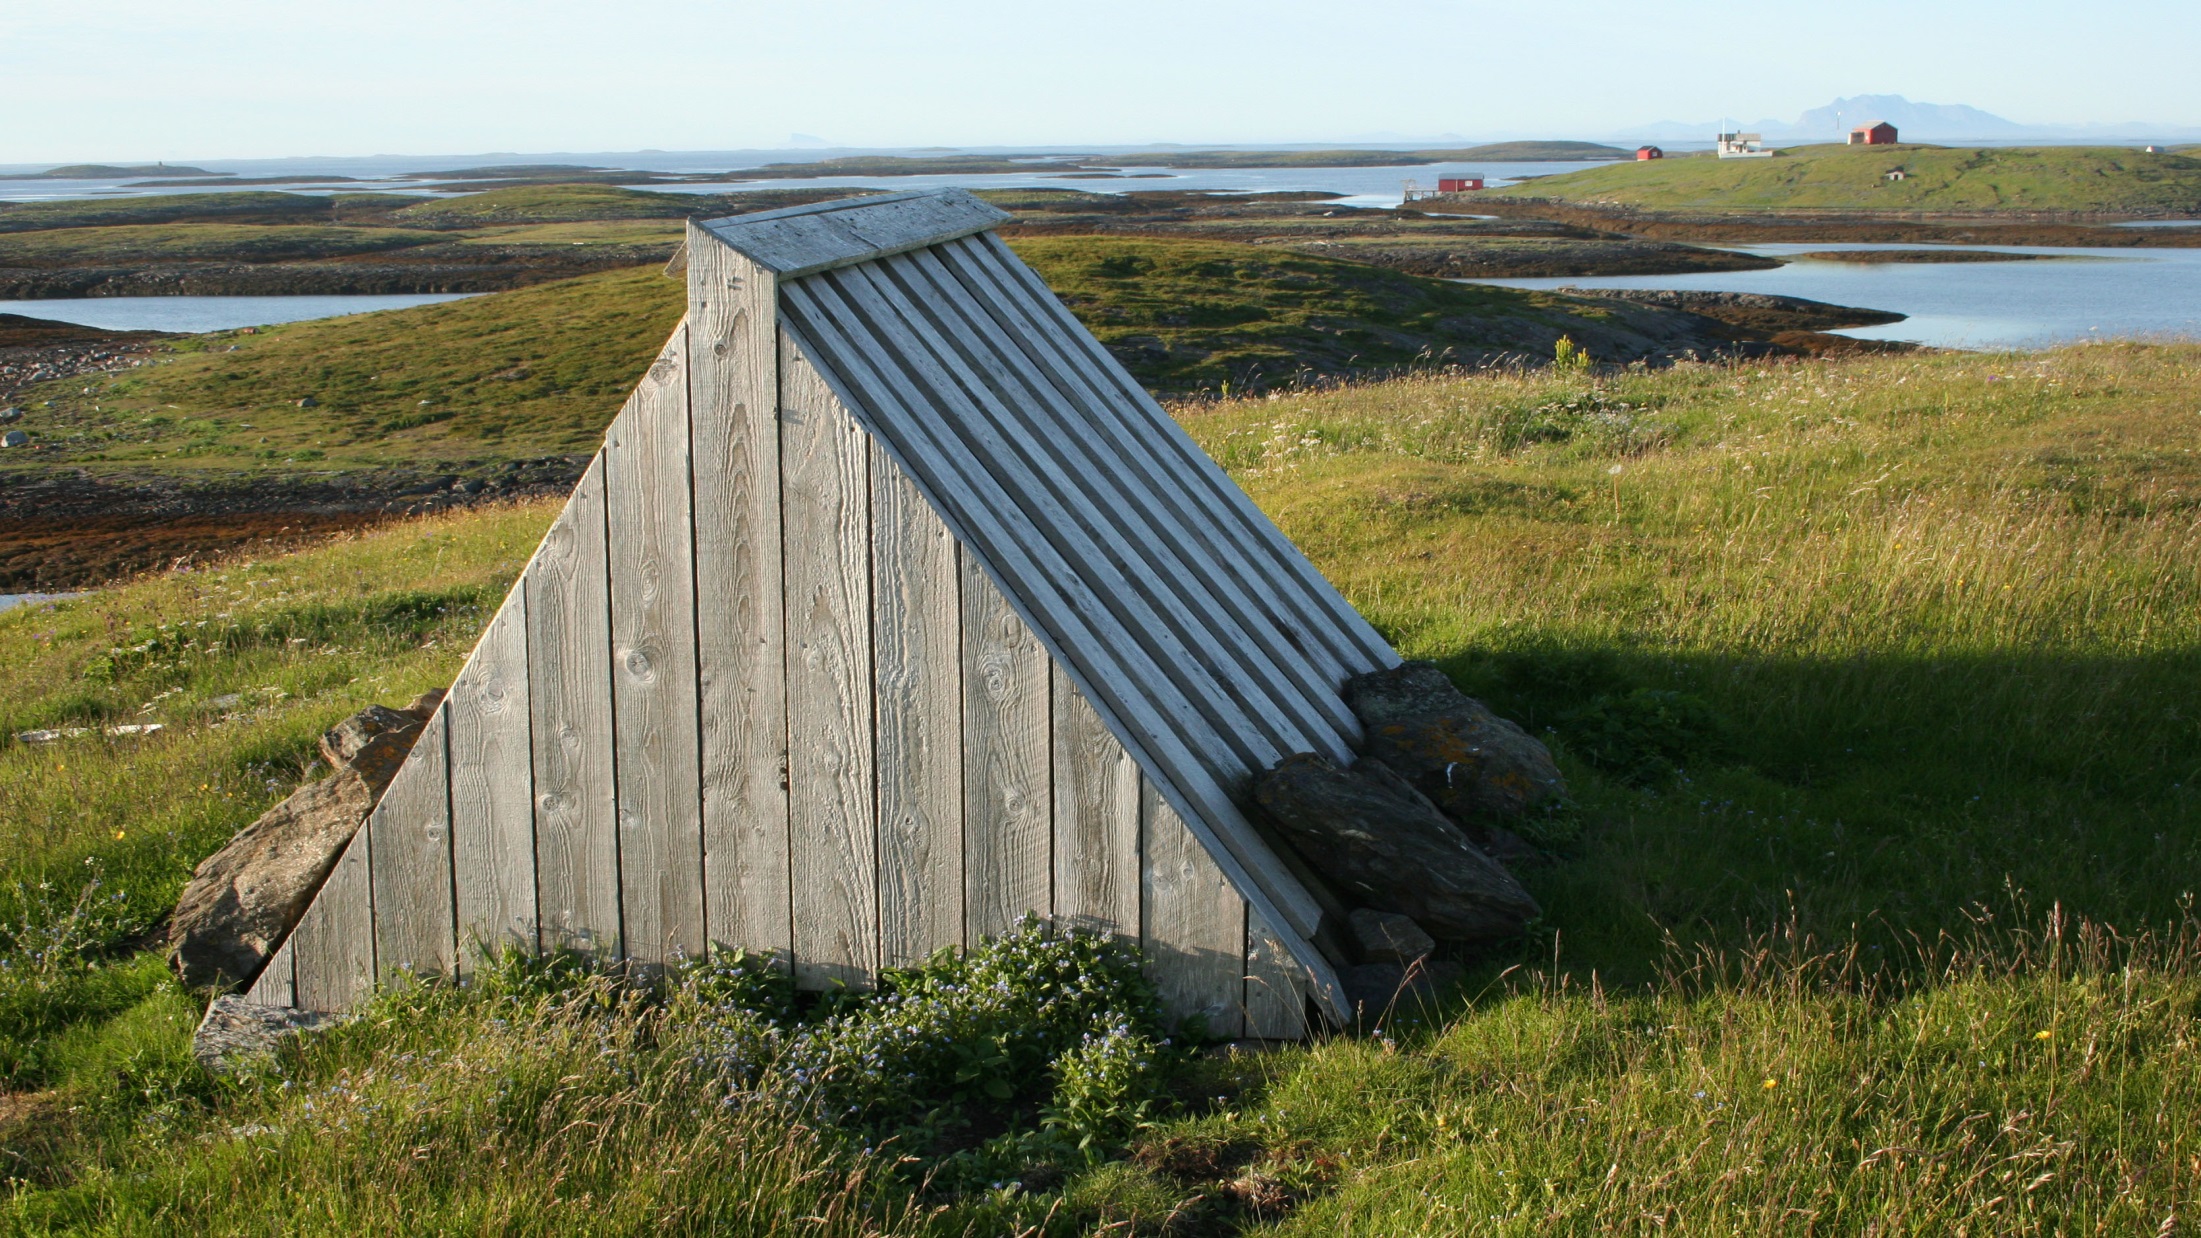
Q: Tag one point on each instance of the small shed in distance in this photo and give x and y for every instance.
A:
(1458, 184)
(892, 610)
(1878, 133)
(1644, 154)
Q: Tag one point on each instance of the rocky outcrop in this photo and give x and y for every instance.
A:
(1386, 847)
(235, 1034)
(243, 900)
(1477, 766)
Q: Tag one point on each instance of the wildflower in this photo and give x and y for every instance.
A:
(2043, 1034)
(1769, 1084)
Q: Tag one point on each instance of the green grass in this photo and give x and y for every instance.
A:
(1852, 178)
(1874, 679)
(133, 244)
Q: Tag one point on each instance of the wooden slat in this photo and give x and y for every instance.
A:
(1008, 838)
(569, 697)
(826, 487)
(733, 384)
(277, 983)
(1276, 986)
(803, 240)
(493, 791)
(1096, 818)
(653, 665)
(1195, 931)
(1071, 452)
(1360, 641)
(410, 831)
(333, 945)
(1154, 717)
(918, 635)
(1183, 511)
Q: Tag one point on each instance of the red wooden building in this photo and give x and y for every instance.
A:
(1644, 154)
(1878, 133)
(1458, 184)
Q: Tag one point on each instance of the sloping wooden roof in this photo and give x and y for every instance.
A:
(1206, 641)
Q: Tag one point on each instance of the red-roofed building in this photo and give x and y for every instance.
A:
(1644, 154)
(1878, 133)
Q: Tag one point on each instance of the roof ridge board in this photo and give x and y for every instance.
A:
(1277, 602)
(1041, 493)
(1142, 520)
(805, 240)
(1160, 737)
(1374, 652)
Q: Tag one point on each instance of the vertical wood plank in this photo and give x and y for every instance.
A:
(277, 983)
(1008, 835)
(826, 493)
(918, 634)
(493, 790)
(1276, 985)
(410, 832)
(334, 940)
(660, 800)
(1195, 931)
(569, 696)
(1096, 818)
(733, 384)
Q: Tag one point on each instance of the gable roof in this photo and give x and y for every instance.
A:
(1205, 640)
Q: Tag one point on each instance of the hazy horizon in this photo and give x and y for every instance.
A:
(134, 80)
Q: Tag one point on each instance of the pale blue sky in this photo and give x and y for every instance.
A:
(185, 79)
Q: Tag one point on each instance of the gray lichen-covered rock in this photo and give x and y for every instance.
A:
(1387, 937)
(234, 1032)
(243, 900)
(1387, 847)
(1471, 762)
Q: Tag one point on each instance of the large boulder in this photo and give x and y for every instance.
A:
(242, 901)
(1382, 841)
(1474, 764)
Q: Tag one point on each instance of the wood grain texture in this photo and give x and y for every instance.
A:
(1195, 931)
(826, 505)
(493, 791)
(1276, 985)
(1008, 782)
(653, 662)
(410, 832)
(803, 240)
(1096, 818)
(733, 386)
(333, 945)
(569, 697)
(916, 591)
(277, 983)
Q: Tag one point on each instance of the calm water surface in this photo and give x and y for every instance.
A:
(2089, 294)
(9, 601)
(193, 314)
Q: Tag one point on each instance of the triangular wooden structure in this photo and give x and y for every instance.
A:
(891, 610)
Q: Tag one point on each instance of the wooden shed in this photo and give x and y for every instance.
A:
(891, 610)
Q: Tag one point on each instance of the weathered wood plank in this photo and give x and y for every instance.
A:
(1096, 818)
(569, 696)
(733, 384)
(410, 832)
(918, 633)
(803, 240)
(1162, 726)
(1195, 931)
(1276, 985)
(651, 540)
(826, 505)
(333, 945)
(277, 983)
(493, 791)
(1008, 837)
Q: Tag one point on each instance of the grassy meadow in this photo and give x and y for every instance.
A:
(2105, 179)
(1874, 680)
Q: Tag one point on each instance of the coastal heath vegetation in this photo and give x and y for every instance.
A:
(1873, 679)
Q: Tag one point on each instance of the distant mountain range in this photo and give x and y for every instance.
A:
(1925, 122)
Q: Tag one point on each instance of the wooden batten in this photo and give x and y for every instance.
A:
(891, 612)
